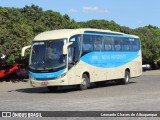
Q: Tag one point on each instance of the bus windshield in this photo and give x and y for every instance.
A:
(47, 56)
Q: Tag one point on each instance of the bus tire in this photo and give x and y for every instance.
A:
(84, 82)
(52, 88)
(126, 78)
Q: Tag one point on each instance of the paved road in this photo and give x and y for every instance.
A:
(142, 94)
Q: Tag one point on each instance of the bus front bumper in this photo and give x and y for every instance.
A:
(43, 83)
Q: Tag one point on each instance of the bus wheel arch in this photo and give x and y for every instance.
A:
(85, 81)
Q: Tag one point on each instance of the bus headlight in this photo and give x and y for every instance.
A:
(62, 75)
(31, 78)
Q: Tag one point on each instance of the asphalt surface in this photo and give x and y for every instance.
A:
(142, 94)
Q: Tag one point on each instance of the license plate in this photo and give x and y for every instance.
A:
(44, 83)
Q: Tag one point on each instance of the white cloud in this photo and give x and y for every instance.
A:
(72, 11)
(95, 10)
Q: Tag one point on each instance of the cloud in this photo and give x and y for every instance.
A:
(94, 10)
(72, 11)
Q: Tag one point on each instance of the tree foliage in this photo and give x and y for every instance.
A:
(18, 26)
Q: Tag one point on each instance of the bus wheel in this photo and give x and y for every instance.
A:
(126, 78)
(84, 82)
(52, 88)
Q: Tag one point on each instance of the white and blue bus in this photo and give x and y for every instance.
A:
(82, 56)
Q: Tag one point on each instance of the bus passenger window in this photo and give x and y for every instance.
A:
(87, 43)
(126, 44)
(134, 44)
(70, 54)
(97, 41)
(108, 43)
(117, 44)
(108, 47)
(74, 49)
(117, 47)
(87, 47)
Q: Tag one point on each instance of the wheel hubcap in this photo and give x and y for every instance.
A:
(127, 78)
(84, 82)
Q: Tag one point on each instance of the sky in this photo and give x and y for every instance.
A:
(130, 13)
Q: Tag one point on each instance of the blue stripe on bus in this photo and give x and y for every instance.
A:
(46, 75)
(109, 59)
(111, 35)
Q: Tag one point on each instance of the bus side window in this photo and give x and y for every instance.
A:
(74, 49)
(70, 54)
(108, 43)
(118, 44)
(134, 44)
(97, 41)
(87, 45)
(126, 44)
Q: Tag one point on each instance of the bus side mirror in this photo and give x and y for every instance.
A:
(65, 50)
(24, 49)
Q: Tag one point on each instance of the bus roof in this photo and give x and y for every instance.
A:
(67, 33)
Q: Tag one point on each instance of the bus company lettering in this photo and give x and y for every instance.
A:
(113, 57)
